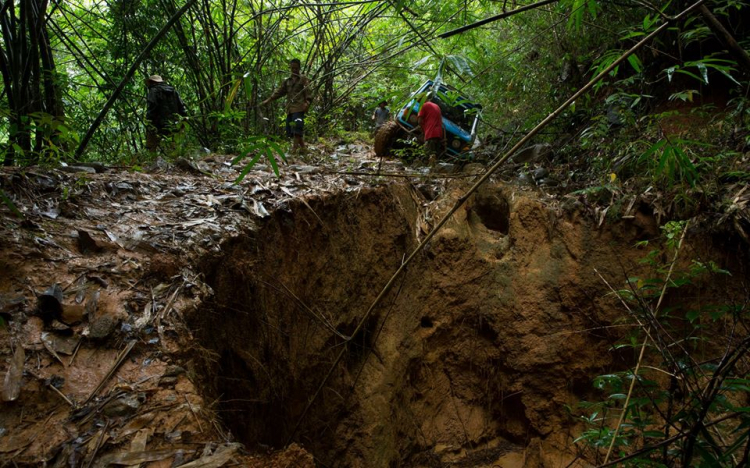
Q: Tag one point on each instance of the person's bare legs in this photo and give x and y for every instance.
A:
(299, 142)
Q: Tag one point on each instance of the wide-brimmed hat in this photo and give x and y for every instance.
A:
(155, 79)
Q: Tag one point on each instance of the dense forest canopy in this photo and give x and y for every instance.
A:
(62, 61)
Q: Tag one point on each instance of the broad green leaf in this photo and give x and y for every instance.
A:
(659, 144)
(272, 160)
(461, 64)
(632, 35)
(704, 71)
(635, 62)
(421, 61)
(247, 168)
(685, 72)
(670, 72)
(232, 94)
(247, 78)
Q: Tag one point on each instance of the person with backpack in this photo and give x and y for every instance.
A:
(164, 107)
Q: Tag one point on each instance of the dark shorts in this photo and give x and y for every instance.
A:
(433, 147)
(295, 124)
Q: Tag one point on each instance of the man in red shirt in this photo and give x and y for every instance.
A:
(431, 123)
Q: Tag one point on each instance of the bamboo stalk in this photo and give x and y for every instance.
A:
(495, 18)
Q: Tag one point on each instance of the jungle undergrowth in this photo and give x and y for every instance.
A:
(687, 405)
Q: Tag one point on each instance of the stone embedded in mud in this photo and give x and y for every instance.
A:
(533, 153)
(571, 205)
(444, 168)
(167, 381)
(105, 313)
(123, 406)
(173, 371)
(539, 173)
(473, 168)
(102, 327)
(549, 182)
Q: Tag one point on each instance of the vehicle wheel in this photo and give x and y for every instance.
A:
(386, 137)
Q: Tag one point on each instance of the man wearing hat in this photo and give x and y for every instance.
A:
(163, 107)
(381, 114)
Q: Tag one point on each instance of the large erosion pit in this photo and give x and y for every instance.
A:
(470, 359)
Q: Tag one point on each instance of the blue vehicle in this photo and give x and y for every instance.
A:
(460, 119)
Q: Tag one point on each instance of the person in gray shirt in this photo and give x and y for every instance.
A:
(381, 114)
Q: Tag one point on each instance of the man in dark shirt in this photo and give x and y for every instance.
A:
(296, 88)
(163, 108)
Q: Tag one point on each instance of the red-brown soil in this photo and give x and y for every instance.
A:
(230, 304)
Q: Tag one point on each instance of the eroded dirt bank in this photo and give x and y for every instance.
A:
(198, 314)
(474, 357)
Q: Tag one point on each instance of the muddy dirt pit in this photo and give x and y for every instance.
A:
(259, 331)
(471, 358)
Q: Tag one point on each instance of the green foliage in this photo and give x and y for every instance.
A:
(667, 159)
(579, 9)
(9, 203)
(686, 95)
(255, 148)
(702, 67)
(688, 379)
(225, 57)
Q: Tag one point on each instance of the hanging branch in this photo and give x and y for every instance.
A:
(725, 36)
(128, 75)
(495, 18)
(477, 184)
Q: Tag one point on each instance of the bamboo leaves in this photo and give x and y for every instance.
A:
(257, 147)
(578, 9)
(702, 67)
(668, 160)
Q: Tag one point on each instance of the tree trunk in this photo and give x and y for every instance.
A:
(28, 73)
(743, 59)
